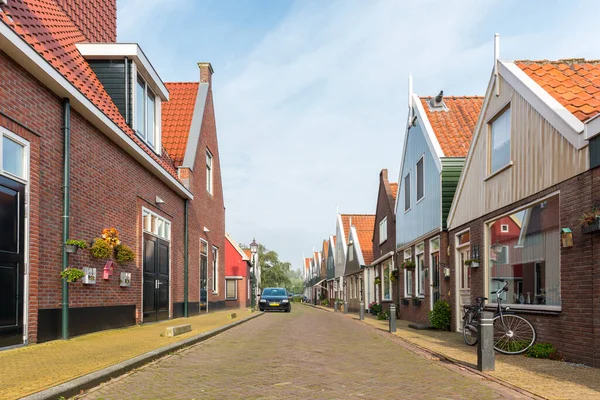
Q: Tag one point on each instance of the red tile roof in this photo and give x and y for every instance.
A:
(177, 116)
(248, 253)
(454, 125)
(574, 83)
(365, 226)
(325, 248)
(394, 187)
(307, 263)
(334, 240)
(45, 26)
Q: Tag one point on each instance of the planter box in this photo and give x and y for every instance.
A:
(591, 228)
(125, 279)
(89, 277)
(416, 302)
(404, 302)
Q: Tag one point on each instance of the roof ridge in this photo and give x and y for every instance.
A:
(573, 60)
(182, 83)
(453, 97)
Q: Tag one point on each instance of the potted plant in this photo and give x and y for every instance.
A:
(408, 264)
(405, 301)
(472, 262)
(394, 277)
(416, 301)
(377, 281)
(100, 249)
(590, 221)
(72, 274)
(124, 253)
(72, 245)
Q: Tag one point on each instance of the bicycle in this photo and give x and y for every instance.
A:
(513, 334)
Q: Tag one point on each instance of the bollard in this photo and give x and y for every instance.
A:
(392, 318)
(345, 307)
(361, 315)
(485, 346)
(335, 306)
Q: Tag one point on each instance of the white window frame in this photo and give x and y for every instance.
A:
(383, 230)
(154, 230)
(387, 282)
(209, 171)
(350, 252)
(235, 295)
(156, 146)
(408, 276)
(504, 228)
(417, 176)
(419, 268)
(25, 161)
(491, 172)
(407, 209)
(215, 269)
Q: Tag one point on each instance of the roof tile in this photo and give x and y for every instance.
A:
(394, 187)
(177, 116)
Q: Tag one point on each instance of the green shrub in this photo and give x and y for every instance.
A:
(79, 243)
(383, 315)
(439, 317)
(325, 302)
(124, 253)
(376, 309)
(101, 249)
(543, 350)
(72, 274)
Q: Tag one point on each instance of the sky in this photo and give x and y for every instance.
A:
(311, 95)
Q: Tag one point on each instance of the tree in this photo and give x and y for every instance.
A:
(273, 272)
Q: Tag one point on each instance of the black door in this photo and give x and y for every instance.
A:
(156, 279)
(435, 275)
(12, 261)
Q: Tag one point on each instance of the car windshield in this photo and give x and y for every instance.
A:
(274, 292)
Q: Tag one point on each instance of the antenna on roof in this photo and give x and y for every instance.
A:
(496, 56)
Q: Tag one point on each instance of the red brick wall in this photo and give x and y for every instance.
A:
(108, 188)
(575, 330)
(96, 19)
(206, 210)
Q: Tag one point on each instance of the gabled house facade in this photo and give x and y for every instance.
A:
(526, 182)
(436, 142)
(341, 233)
(359, 254)
(384, 244)
(331, 282)
(80, 155)
(237, 275)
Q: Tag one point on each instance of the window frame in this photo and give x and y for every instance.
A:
(386, 280)
(422, 176)
(235, 291)
(407, 193)
(420, 270)
(25, 155)
(383, 224)
(215, 269)
(408, 276)
(155, 143)
(505, 108)
(502, 230)
(209, 171)
(154, 229)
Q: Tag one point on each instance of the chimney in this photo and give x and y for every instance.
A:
(96, 19)
(206, 72)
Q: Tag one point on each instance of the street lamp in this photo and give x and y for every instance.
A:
(254, 251)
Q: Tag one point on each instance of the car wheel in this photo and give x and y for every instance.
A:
(262, 310)
(288, 310)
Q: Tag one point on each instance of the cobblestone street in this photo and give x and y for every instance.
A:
(306, 354)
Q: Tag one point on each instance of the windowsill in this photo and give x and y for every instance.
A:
(405, 211)
(528, 308)
(420, 200)
(231, 299)
(387, 301)
(507, 166)
(383, 241)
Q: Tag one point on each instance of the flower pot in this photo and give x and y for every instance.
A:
(593, 227)
(71, 248)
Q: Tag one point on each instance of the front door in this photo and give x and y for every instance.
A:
(464, 280)
(156, 279)
(12, 261)
(435, 278)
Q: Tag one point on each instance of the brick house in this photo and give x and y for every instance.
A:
(529, 166)
(59, 109)
(384, 244)
(435, 146)
(357, 278)
(237, 275)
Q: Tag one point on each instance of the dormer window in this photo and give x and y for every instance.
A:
(145, 113)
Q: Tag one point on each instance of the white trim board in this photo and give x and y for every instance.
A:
(196, 126)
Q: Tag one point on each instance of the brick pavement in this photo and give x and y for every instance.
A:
(307, 354)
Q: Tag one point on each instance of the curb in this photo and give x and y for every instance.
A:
(318, 308)
(442, 357)
(75, 386)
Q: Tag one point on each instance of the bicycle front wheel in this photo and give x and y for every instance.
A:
(513, 334)
(469, 333)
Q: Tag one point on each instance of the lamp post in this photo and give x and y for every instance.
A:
(253, 276)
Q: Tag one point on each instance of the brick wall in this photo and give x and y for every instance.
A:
(96, 19)
(573, 330)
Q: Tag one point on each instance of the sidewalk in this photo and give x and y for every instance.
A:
(30, 369)
(545, 378)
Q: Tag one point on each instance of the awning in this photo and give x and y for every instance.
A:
(318, 283)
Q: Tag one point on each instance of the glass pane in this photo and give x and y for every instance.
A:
(419, 248)
(386, 282)
(167, 231)
(464, 238)
(409, 282)
(12, 157)
(420, 179)
(500, 141)
(147, 223)
(406, 192)
(420, 266)
(154, 227)
(140, 114)
(434, 245)
(528, 255)
(151, 123)
(161, 228)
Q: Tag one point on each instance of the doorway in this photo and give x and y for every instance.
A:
(156, 279)
(435, 278)
(463, 280)
(12, 261)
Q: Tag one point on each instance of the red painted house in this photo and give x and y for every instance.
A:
(237, 275)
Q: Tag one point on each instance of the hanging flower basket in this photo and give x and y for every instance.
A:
(416, 301)
(377, 281)
(408, 264)
(590, 222)
(404, 301)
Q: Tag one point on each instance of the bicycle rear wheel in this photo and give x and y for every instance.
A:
(513, 334)
(469, 333)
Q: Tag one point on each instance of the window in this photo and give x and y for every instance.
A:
(383, 230)
(420, 268)
(386, 281)
(499, 141)
(528, 258)
(13, 157)
(156, 225)
(407, 192)
(230, 289)
(408, 276)
(215, 269)
(203, 270)
(350, 252)
(420, 178)
(504, 228)
(145, 114)
(209, 177)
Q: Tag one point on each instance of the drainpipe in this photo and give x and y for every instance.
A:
(66, 206)
(185, 260)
